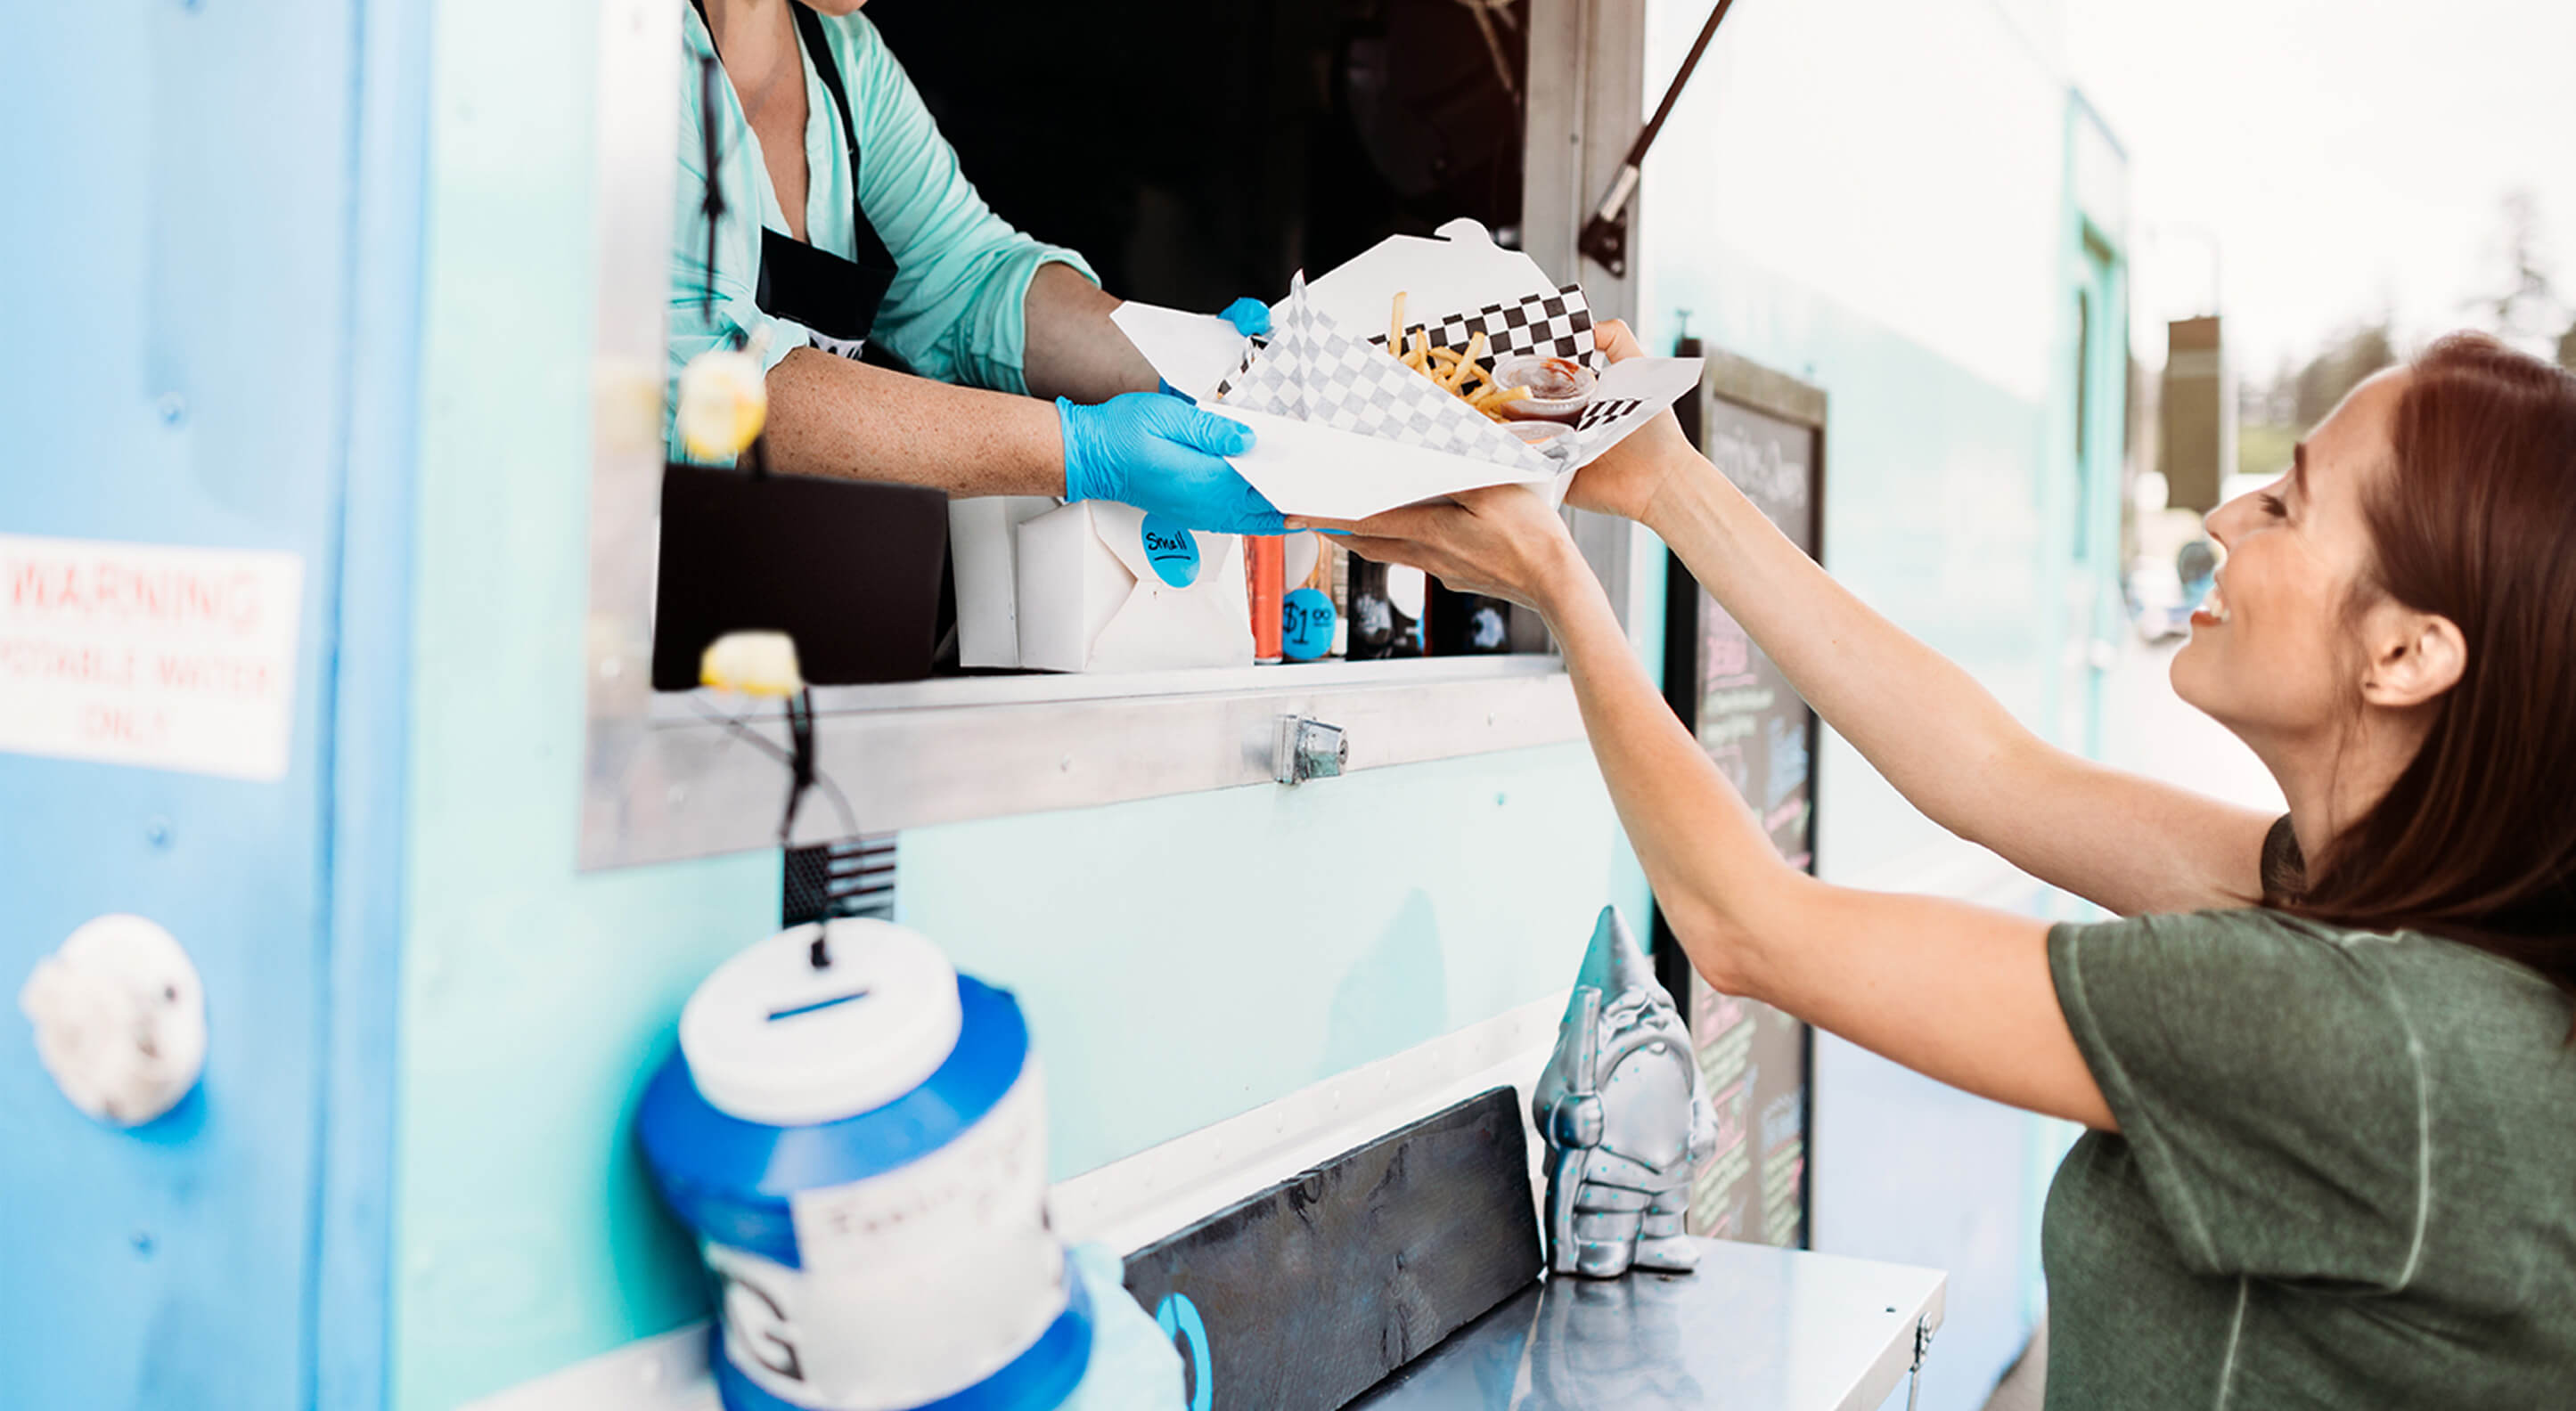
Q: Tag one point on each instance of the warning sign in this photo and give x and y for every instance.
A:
(137, 654)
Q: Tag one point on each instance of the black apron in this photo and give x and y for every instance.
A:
(855, 571)
(836, 298)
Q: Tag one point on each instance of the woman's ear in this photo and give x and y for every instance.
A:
(2414, 657)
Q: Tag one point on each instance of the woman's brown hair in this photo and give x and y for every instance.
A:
(2476, 521)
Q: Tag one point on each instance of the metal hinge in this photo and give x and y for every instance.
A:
(1308, 749)
(1914, 1373)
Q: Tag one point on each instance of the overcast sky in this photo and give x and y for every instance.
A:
(2345, 157)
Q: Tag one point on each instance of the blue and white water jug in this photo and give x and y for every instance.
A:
(856, 1133)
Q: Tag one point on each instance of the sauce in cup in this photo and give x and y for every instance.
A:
(1558, 387)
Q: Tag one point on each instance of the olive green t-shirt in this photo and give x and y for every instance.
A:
(2345, 1174)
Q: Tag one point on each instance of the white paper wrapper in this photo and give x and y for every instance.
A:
(1344, 430)
(1311, 371)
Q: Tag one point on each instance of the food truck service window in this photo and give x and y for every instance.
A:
(977, 657)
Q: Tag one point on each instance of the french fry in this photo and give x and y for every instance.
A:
(1461, 372)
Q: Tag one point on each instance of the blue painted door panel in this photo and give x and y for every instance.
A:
(177, 241)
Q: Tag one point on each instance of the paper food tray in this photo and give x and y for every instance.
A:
(1343, 430)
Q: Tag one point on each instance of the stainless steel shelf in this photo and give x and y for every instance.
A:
(1755, 1329)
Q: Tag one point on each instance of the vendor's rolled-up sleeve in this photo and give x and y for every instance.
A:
(956, 310)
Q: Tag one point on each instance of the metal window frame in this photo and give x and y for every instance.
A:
(665, 780)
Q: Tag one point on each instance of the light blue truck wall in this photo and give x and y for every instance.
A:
(213, 234)
(1182, 959)
(1873, 195)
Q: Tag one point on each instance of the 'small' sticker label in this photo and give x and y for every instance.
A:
(1172, 550)
(139, 654)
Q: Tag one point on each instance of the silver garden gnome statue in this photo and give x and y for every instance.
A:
(1621, 1110)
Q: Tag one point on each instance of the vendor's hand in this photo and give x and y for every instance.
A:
(1250, 317)
(1625, 479)
(1502, 541)
(1163, 456)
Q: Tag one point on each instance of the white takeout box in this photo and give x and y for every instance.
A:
(1308, 467)
(1098, 592)
(983, 544)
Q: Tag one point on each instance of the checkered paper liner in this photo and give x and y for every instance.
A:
(1601, 413)
(1311, 371)
(1556, 325)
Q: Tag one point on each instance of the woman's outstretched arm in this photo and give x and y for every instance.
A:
(2125, 842)
(1952, 991)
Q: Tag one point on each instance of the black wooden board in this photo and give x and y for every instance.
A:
(1307, 1294)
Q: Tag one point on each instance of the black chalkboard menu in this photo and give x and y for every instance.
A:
(1766, 432)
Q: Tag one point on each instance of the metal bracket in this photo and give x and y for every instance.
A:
(1914, 1374)
(1605, 236)
(1308, 749)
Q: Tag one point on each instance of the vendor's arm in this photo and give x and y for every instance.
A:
(831, 416)
(1073, 349)
(1952, 991)
(2128, 843)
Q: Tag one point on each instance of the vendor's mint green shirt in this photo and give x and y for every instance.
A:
(962, 273)
(2345, 1175)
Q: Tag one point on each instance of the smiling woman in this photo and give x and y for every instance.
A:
(2464, 609)
(2306, 1082)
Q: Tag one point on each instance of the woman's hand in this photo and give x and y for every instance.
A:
(1502, 541)
(1625, 479)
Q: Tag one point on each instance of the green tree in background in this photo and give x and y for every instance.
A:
(2271, 418)
(2524, 308)
(2354, 355)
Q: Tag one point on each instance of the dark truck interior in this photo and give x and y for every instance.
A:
(1194, 152)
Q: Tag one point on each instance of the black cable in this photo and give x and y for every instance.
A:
(714, 205)
(800, 768)
(709, 72)
(742, 729)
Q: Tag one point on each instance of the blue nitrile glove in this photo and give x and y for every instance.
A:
(1250, 317)
(1162, 455)
(1134, 1364)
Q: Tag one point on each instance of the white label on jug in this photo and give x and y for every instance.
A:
(915, 1284)
(139, 654)
(990, 1180)
(891, 1338)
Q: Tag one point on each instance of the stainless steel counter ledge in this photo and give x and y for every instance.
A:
(1755, 1329)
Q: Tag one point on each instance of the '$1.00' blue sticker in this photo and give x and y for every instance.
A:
(1306, 624)
(1172, 550)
